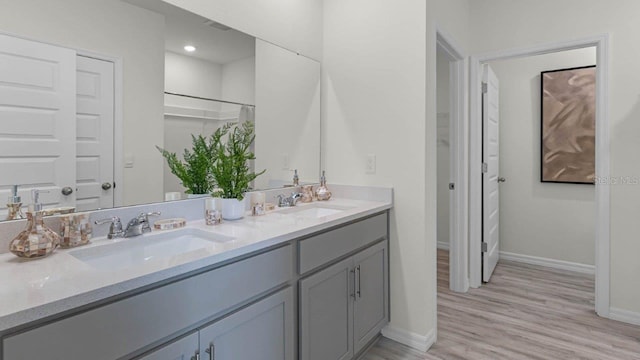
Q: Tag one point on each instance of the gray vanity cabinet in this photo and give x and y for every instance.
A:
(184, 348)
(370, 303)
(264, 330)
(343, 307)
(326, 313)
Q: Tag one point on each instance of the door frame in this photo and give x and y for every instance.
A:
(458, 161)
(118, 122)
(602, 189)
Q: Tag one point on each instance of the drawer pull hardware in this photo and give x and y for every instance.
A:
(359, 282)
(211, 351)
(353, 294)
(196, 356)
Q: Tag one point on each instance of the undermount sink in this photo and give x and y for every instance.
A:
(153, 246)
(314, 210)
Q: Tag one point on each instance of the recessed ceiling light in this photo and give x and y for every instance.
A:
(190, 48)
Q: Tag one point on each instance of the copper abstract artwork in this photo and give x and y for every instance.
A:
(568, 101)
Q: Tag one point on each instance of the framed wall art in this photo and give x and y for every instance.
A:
(568, 116)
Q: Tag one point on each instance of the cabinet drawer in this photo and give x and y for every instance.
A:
(115, 330)
(328, 246)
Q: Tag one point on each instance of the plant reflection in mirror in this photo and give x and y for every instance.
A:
(231, 171)
(195, 171)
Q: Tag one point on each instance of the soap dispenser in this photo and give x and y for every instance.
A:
(36, 240)
(14, 205)
(322, 193)
(296, 179)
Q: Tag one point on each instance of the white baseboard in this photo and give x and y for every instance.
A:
(626, 316)
(410, 339)
(443, 245)
(552, 263)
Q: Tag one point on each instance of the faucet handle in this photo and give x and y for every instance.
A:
(143, 218)
(115, 229)
(282, 200)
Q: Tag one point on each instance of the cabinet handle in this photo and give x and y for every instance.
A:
(211, 351)
(358, 291)
(196, 356)
(353, 294)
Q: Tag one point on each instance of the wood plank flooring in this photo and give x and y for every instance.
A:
(525, 312)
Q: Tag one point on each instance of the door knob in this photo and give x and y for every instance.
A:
(106, 186)
(501, 179)
(66, 191)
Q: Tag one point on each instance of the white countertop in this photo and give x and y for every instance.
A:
(32, 290)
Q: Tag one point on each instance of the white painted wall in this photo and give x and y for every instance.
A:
(192, 76)
(120, 30)
(287, 116)
(443, 146)
(239, 81)
(494, 24)
(547, 220)
(379, 66)
(295, 25)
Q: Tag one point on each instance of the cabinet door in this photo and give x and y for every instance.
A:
(326, 313)
(371, 295)
(263, 331)
(185, 348)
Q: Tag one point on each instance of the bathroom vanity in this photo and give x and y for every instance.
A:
(309, 282)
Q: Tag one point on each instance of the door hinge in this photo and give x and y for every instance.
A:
(485, 167)
(484, 87)
(484, 247)
(452, 186)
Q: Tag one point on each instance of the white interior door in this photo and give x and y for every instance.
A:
(37, 122)
(490, 178)
(94, 124)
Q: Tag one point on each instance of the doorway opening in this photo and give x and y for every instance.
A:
(545, 169)
(601, 198)
(452, 164)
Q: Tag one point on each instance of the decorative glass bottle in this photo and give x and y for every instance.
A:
(322, 193)
(37, 240)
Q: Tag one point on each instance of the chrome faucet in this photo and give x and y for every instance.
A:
(288, 201)
(139, 224)
(115, 229)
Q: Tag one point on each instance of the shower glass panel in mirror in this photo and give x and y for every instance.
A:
(90, 88)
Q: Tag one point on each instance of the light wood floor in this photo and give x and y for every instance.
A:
(525, 312)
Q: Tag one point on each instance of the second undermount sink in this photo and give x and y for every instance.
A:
(153, 246)
(315, 210)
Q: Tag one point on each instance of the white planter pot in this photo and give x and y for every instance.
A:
(232, 209)
(196, 196)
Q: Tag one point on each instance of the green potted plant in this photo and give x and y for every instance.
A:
(231, 171)
(194, 171)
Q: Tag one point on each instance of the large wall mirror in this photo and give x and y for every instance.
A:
(89, 88)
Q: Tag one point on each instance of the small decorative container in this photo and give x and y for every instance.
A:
(307, 194)
(257, 204)
(170, 224)
(76, 230)
(213, 211)
(36, 240)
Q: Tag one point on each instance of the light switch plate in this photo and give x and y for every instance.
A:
(371, 164)
(285, 161)
(129, 160)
